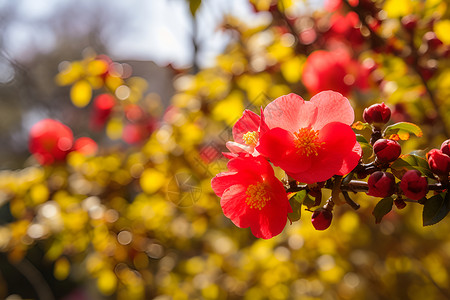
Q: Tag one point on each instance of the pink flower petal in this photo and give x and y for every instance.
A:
(248, 122)
(234, 206)
(332, 107)
(339, 140)
(351, 160)
(222, 181)
(263, 128)
(278, 145)
(290, 112)
(238, 148)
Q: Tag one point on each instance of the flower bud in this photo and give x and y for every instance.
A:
(321, 218)
(86, 146)
(102, 109)
(377, 113)
(381, 184)
(410, 22)
(439, 162)
(413, 185)
(445, 147)
(386, 150)
(432, 40)
(50, 141)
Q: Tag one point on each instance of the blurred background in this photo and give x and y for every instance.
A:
(156, 86)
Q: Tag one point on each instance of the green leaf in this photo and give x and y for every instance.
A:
(365, 145)
(360, 125)
(361, 139)
(383, 207)
(411, 162)
(435, 209)
(296, 204)
(403, 129)
(193, 6)
(309, 202)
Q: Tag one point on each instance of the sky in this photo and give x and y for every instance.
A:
(158, 30)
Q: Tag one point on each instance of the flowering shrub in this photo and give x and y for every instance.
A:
(313, 142)
(138, 214)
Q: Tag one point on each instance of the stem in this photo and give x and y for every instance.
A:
(356, 186)
(350, 202)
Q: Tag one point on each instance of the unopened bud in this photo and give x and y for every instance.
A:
(377, 113)
(439, 162)
(445, 147)
(386, 150)
(414, 185)
(321, 218)
(432, 40)
(410, 22)
(381, 184)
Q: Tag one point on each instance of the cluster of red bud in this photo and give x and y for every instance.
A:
(381, 183)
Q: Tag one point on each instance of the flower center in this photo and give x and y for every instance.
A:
(251, 138)
(257, 196)
(307, 141)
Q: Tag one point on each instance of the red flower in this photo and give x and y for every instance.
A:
(50, 141)
(335, 71)
(251, 196)
(334, 5)
(311, 140)
(344, 30)
(246, 133)
(103, 106)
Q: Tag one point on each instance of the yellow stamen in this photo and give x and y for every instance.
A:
(307, 141)
(251, 138)
(257, 196)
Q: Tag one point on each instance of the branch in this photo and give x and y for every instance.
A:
(356, 186)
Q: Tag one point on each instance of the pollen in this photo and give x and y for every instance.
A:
(307, 141)
(251, 138)
(257, 196)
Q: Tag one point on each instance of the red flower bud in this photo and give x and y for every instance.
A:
(381, 184)
(50, 141)
(413, 185)
(410, 22)
(377, 113)
(432, 40)
(321, 218)
(386, 150)
(439, 162)
(86, 146)
(103, 106)
(445, 147)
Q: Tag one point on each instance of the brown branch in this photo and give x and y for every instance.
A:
(357, 186)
